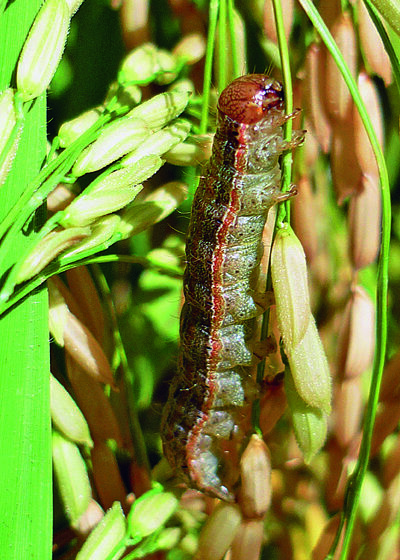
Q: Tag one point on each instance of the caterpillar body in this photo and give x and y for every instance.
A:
(224, 248)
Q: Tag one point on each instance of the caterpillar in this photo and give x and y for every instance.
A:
(223, 251)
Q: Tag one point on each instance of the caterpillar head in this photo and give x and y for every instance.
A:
(249, 98)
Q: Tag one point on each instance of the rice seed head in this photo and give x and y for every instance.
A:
(218, 532)
(128, 95)
(183, 84)
(304, 214)
(78, 341)
(48, 249)
(363, 148)
(289, 280)
(387, 545)
(116, 139)
(135, 24)
(248, 540)
(192, 152)
(58, 313)
(5, 167)
(315, 518)
(365, 212)
(326, 538)
(311, 147)
(87, 297)
(310, 370)
(383, 517)
(159, 142)
(87, 208)
(330, 11)
(309, 423)
(101, 232)
(391, 467)
(43, 49)
(169, 67)
(390, 388)
(372, 46)
(58, 287)
(89, 519)
(337, 96)
(72, 129)
(191, 48)
(273, 405)
(132, 174)
(147, 63)
(346, 172)
(386, 422)
(72, 478)
(302, 344)
(154, 208)
(150, 512)
(105, 536)
(169, 538)
(94, 404)
(161, 109)
(255, 470)
(66, 416)
(314, 95)
(106, 475)
(348, 411)
(86, 351)
(357, 336)
(59, 198)
(269, 25)
(140, 66)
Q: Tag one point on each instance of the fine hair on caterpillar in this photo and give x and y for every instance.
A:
(223, 252)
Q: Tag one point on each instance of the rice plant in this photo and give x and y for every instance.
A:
(107, 116)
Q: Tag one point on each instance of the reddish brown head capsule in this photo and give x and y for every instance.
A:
(247, 99)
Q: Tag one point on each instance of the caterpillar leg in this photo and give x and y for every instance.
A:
(296, 140)
(262, 348)
(283, 196)
(263, 300)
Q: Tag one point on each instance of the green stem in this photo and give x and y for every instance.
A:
(222, 46)
(235, 54)
(213, 18)
(287, 158)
